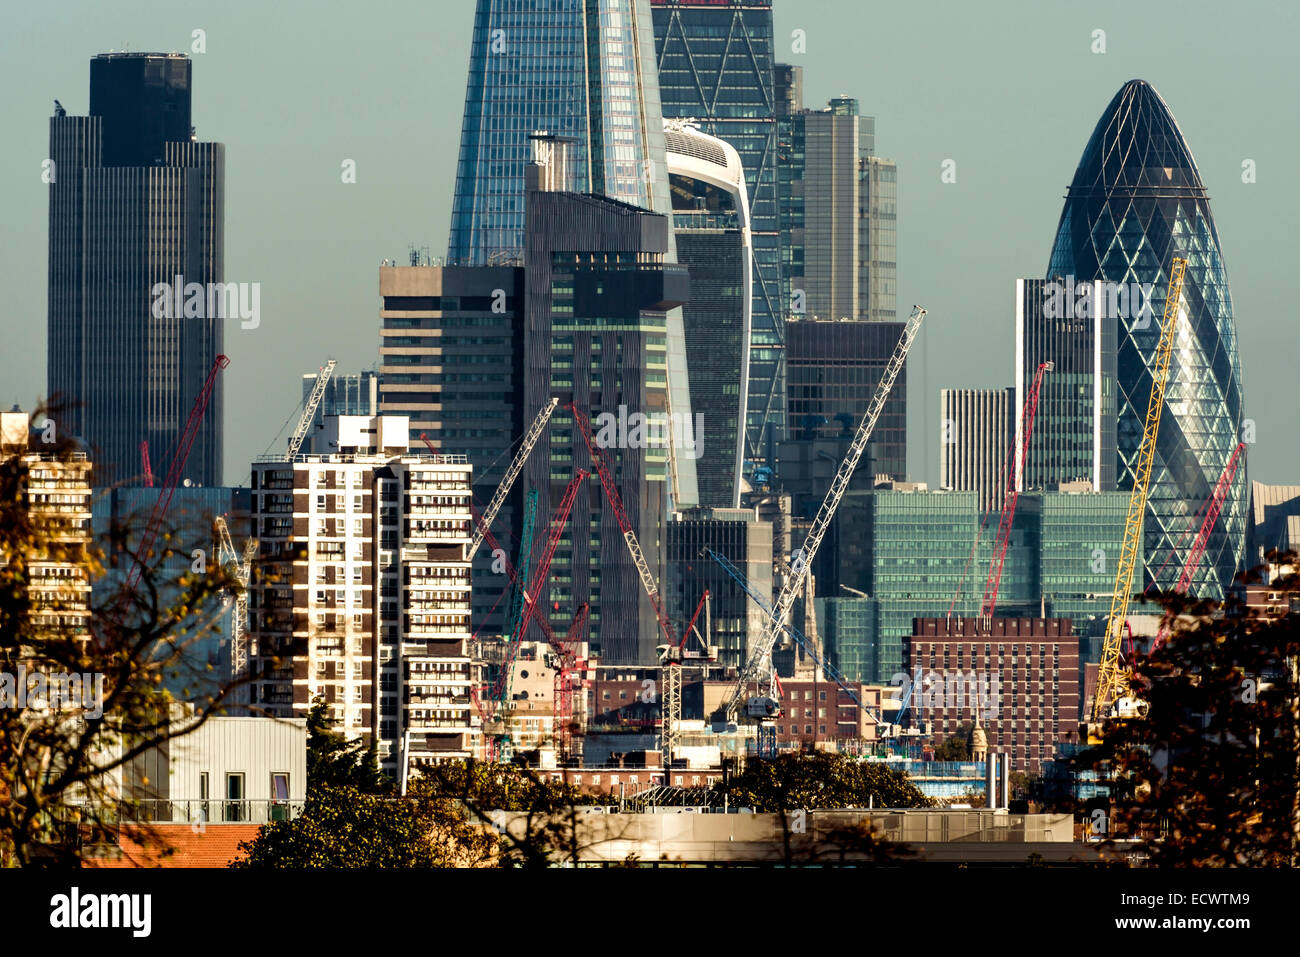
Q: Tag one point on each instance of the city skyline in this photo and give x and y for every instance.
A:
(295, 293)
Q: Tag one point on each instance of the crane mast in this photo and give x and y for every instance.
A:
(1220, 493)
(242, 565)
(1112, 682)
(760, 655)
(1014, 474)
(625, 526)
(516, 466)
(309, 410)
(179, 458)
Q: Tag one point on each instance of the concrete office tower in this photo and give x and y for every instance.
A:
(582, 72)
(715, 67)
(740, 536)
(711, 222)
(833, 370)
(136, 202)
(976, 430)
(1073, 439)
(57, 501)
(451, 358)
(599, 291)
(363, 592)
(1136, 202)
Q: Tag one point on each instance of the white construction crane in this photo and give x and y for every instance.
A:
(758, 666)
(239, 625)
(499, 497)
(309, 411)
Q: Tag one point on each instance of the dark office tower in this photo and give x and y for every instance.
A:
(711, 224)
(135, 202)
(582, 70)
(834, 369)
(451, 359)
(597, 293)
(715, 66)
(1136, 202)
(1073, 438)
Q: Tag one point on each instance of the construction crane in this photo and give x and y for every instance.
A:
(672, 660)
(532, 592)
(144, 461)
(309, 410)
(183, 445)
(759, 661)
(567, 665)
(808, 646)
(516, 609)
(615, 500)
(1014, 474)
(1212, 509)
(241, 567)
(1221, 489)
(498, 498)
(1112, 679)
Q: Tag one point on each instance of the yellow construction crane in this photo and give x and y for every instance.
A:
(1113, 679)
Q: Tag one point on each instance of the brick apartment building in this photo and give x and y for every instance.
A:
(1022, 674)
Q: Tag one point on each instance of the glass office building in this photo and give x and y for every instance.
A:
(715, 66)
(582, 69)
(911, 552)
(1137, 200)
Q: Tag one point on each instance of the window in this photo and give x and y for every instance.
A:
(234, 797)
(279, 795)
(203, 796)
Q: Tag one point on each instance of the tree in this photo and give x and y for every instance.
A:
(342, 826)
(334, 760)
(58, 763)
(955, 747)
(1209, 774)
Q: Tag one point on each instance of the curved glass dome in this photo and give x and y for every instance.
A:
(1137, 201)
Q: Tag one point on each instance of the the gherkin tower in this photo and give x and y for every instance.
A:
(1137, 201)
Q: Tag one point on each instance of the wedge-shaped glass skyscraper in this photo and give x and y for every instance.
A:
(1137, 201)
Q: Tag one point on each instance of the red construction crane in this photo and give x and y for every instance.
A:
(566, 667)
(182, 454)
(1202, 540)
(1014, 474)
(625, 526)
(542, 571)
(144, 461)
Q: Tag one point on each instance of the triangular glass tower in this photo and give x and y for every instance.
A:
(1137, 201)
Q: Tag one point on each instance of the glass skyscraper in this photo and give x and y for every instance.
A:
(136, 208)
(1137, 200)
(715, 67)
(583, 72)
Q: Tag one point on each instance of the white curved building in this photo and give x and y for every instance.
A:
(712, 229)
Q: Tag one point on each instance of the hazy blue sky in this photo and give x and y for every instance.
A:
(1009, 90)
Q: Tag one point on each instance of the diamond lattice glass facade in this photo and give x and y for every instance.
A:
(1137, 200)
(715, 66)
